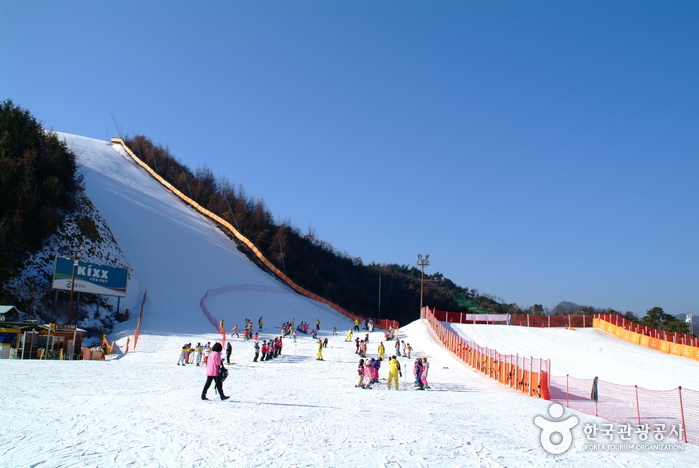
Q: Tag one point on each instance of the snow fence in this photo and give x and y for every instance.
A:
(678, 344)
(526, 374)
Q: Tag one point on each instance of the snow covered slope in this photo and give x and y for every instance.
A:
(177, 254)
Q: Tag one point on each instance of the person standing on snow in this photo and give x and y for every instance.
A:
(349, 335)
(213, 371)
(393, 372)
(368, 373)
(197, 354)
(376, 364)
(397, 347)
(360, 371)
(265, 351)
(207, 351)
(235, 332)
(425, 368)
(320, 351)
(417, 372)
(382, 350)
(408, 350)
(229, 350)
(257, 351)
(183, 356)
(259, 322)
(317, 324)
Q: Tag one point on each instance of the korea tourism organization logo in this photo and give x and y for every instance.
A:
(556, 435)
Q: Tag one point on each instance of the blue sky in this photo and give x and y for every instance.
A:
(538, 151)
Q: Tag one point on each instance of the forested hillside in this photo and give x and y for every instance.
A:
(311, 262)
(38, 180)
(316, 265)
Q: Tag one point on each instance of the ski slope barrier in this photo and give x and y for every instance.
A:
(526, 374)
(677, 344)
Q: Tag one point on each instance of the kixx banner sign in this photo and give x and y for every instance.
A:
(89, 278)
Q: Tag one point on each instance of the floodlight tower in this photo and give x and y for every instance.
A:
(422, 263)
(76, 262)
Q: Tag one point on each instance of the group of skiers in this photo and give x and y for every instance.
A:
(194, 354)
(269, 349)
(249, 333)
(368, 369)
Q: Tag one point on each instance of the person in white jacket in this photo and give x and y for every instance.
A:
(425, 369)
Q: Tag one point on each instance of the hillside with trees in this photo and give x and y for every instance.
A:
(38, 182)
(309, 261)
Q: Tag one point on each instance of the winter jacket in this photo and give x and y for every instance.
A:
(393, 367)
(368, 372)
(213, 364)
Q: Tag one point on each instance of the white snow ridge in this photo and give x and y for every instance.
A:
(141, 409)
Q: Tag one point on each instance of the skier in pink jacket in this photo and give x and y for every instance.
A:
(213, 372)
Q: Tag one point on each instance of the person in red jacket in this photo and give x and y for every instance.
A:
(213, 371)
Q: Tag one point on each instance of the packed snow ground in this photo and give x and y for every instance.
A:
(141, 409)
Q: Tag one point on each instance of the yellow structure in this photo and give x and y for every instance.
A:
(668, 347)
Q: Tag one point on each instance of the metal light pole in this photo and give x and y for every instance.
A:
(76, 261)
(689, 323)
(422, 263)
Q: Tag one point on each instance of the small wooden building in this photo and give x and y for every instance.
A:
(29, 340)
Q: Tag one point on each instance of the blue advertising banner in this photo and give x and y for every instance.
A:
(89, 278)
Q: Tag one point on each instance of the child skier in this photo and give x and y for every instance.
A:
(393, 372)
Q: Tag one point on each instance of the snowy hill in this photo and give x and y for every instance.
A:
(141, 409)
(176, 254)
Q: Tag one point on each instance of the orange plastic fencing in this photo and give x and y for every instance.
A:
(93, 354)
(526, 374)
(242, 239)
(649, 337)
(665, 413)
(545, 321)
(140, 318)
(522, 320)
(679, 338)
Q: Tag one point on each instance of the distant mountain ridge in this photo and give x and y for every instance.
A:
(566, 307)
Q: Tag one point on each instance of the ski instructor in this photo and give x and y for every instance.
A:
(213, 372)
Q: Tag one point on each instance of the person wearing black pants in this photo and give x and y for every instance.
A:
(213, 372)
